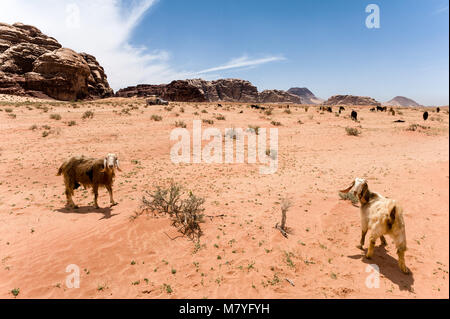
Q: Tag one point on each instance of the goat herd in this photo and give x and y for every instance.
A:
(380, 215)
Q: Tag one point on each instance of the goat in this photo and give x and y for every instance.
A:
(425, 116)
(354, 116)
(330, 109)
(438, 109)
(381, 108)
(341, 109)
(372, 109)
(382, 216)
(391, 110)
(89, 172)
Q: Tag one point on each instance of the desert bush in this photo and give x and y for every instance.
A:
(275, 123)
(287, 111)
(180, 124)
(352, 131)
(415, 127)
(56, 117)
(349, 196)
(269, 112)
(12, 115)
(33, 127)
(185, 211)
(156, 118)
(72, 123)
(211, 122)
(8, 110)
(254, 128)
(220, 117)
(45, 133)
(87, 115)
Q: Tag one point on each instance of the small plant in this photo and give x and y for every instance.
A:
(352, 131)
(186, 213)
(275, 123)
(254, 129)
(349, 196)
(180, 124)
(220, 117)
(167, 288)
(15, 292)
(45, 133)
(285, 205)
(88, 115)
(56, 117)
(72, 123)
(34, 127)
(269, 112)
(210, 122)
(156, 118)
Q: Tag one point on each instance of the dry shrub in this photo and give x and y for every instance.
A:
(185, 211)
(87, 115)
(352, 131)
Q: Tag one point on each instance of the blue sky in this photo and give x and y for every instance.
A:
(322, 45)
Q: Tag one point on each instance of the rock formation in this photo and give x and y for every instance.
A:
(351, 100)
(33, 64)
(198, 90)
(306, 95)
(277, 96)
(402, 101)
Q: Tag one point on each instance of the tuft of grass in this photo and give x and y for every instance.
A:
(72, 123)
(275, 123)
(352, 131)
(156, 118)
(349, 196)
(56, 117)
(180, 124)
(88, 115)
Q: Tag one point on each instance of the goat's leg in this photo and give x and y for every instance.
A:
(363, 239)
(70, 202)
(95, 189)
(373, 239)
(111, 198)
(400, 243)
(383, 240)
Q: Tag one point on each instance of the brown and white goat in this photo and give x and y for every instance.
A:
(382, 216)
(89, 172)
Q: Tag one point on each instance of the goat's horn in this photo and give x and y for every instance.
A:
(345, 191)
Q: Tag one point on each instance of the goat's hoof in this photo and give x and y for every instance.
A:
(360, 247)
(97, 207)
(368, 256)
(404, 269)
(114, 204)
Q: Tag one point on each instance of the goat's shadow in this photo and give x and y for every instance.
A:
(106, 211)
(388, 266)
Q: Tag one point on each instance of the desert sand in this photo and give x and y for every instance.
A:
(240, 255)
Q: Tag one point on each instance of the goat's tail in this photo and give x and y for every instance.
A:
(393, 210)
(61, 169)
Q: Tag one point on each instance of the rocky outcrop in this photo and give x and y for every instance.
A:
(278, 96)
(402, 101)
(33, 64)
(198, 90)
(351, 100)
(306, 95)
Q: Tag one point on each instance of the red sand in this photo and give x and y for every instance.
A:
(121, 257)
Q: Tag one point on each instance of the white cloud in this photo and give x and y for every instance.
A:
(103, 28)
(242, 62)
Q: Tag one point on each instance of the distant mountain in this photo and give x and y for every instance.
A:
(402, 101)
(306, 95)
(351, 100)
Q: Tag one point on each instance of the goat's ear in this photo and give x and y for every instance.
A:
(104, 162)
(117, 165)
(345, 191)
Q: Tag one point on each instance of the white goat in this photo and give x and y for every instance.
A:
(381, 216)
